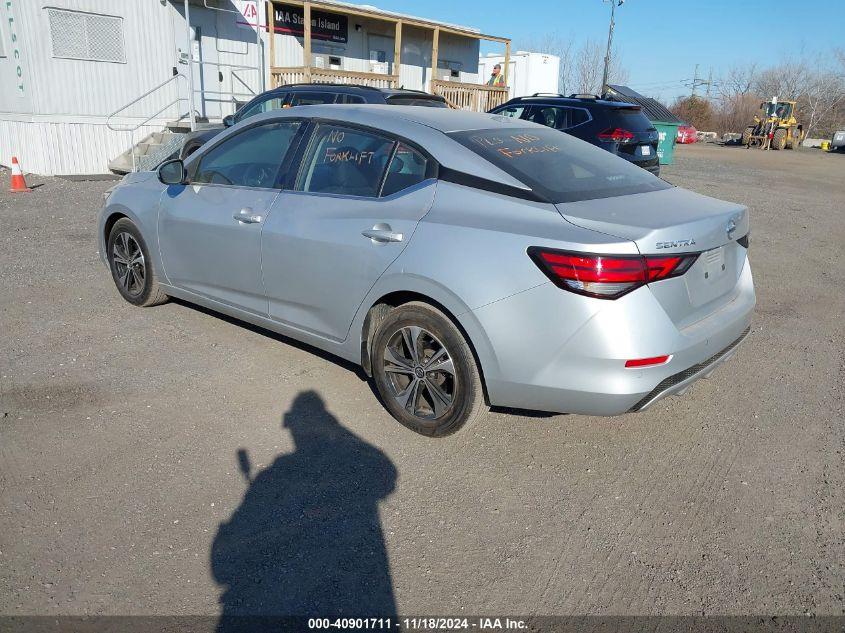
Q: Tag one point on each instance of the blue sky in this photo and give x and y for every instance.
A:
(660, 41)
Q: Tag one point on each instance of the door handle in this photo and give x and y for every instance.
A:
(382, 233)
(246, 216)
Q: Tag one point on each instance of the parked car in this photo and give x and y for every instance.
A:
(687, 134)
(544, 274)
(311, 94)
(620, 128)
(837, 141)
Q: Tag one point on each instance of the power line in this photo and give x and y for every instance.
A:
(696, 82)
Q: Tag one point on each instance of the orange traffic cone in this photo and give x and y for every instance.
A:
(18, 182)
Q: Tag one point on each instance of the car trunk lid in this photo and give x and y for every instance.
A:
(675, 221)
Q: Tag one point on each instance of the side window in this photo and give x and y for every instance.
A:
(350, 99)
(252, 158)
(312, 98)
(262, 106)
(407, 168)
(345, 161)
(514, 111)
(551, 116)
(578, 116)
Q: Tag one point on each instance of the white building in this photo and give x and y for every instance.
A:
(529, 73)
(85, 80)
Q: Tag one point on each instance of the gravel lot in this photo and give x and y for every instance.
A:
(121, 488)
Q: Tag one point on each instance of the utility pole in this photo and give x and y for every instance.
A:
(709, 82)
(604, 80)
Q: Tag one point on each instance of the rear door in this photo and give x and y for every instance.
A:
(357, 201)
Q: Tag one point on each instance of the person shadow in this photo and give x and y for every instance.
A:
(306, 539)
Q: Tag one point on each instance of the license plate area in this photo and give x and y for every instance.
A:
(645, 150)
(714, 264)
(713, 275)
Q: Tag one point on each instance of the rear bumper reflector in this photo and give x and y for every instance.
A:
(676, 382)
(647, 362)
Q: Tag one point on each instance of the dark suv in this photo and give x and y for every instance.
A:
(311, 94)
(620, 128)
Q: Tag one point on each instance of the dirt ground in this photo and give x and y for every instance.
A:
(170, 461)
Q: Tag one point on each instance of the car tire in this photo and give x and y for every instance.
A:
(435, 387)
(131, 266)
(779, 139)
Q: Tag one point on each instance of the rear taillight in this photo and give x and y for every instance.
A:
(616, 134)
(607, 276)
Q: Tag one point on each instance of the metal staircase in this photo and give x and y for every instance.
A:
(151, 150)
(155, 147)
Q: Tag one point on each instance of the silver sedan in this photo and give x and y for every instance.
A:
(461, 259)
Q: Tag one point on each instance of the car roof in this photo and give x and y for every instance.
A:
(441, 119)
(574, 101)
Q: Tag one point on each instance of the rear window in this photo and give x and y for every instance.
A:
(417, 101)
(557, 166)
(630, 119)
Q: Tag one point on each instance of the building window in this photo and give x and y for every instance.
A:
(88, 36)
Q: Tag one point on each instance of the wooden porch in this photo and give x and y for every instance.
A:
(459, 95)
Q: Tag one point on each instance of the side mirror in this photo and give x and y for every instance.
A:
(229, 120)
(172, 172)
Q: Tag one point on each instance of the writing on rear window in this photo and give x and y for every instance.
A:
(558, 167)
(516, 145)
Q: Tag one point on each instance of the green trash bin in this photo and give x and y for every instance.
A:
(666, 144)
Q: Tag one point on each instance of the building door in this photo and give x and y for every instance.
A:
(201, 50)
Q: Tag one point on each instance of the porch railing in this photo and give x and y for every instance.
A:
(461, 96)
(300, 74)
(474, 97)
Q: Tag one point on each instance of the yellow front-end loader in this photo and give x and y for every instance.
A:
(775, 127)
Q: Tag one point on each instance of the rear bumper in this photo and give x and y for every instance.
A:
(651, 165)
(556, 351)
(678, 383)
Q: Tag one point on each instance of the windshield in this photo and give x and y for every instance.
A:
(557, 166)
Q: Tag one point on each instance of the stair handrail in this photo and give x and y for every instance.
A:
(132, 129)
(137, 99)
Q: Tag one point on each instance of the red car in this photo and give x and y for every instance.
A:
(687, 134)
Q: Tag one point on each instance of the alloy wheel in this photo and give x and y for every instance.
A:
(420, 372)
(130, 267)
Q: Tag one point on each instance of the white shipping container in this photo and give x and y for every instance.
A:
(528, 72)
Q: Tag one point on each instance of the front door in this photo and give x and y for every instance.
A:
(325, 244)
(210, 229)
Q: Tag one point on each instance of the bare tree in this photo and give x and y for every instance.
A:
(581, 66)
(785, 81)
(816, 83)
(588, 67)
(738, 81)
(821, 100)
